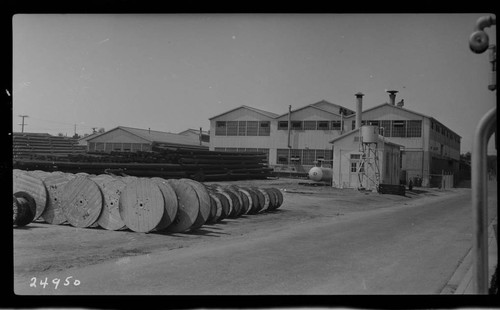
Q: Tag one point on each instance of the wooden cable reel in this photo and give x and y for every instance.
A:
(141, 205)
(170, 203)
(55, 183)
(82, 201)
(188, 206)
(204, 202)
(34, 186)
(111, 189)
(24, 209)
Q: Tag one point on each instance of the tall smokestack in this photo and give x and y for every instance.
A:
(392, 96)
(359, 109)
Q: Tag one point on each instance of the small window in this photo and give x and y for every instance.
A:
(355, 156)
(99, 146)
(220, 128)
(310, 125)
(282, 125)
(374, 123)
(91, 146)
(323, 125)
(264, 128)
(296, 125)
(354, 167)
(336, 125)
(242, 128)
(232, 128)
(252, 128)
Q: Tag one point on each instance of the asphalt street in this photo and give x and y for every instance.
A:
(409, 248)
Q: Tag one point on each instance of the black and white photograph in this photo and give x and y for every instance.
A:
(254, 154)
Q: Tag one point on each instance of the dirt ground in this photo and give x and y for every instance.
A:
(40, 248)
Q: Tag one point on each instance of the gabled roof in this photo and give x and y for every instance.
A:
(380, 138)
(265, 113)
(195, 131)
(158, 136)
(310, 106)
(403, 109)
(95, 134)
(314, 105)
(333, 106)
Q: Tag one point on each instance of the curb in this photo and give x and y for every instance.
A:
(460, 282)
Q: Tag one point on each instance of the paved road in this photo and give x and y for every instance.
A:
(407, 249)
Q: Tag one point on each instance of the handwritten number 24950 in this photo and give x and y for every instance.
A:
(56, 281)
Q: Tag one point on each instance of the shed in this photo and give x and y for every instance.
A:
(356, 165)
(128, 139)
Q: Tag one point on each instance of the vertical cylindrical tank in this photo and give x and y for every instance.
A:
(321, 174)
(369, 134)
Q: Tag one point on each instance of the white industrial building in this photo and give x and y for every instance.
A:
(299, 139)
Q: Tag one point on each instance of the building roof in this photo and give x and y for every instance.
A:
(403, 109)
(314, 105)
(89, 136)
(265, 113)
(195, 131)
(158, 136)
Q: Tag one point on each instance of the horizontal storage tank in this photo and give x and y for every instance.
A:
(320, 174)
(369, 134)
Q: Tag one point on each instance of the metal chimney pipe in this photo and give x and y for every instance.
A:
(359, 109)
(392, 96)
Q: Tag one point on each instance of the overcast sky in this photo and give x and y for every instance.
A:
(174, 72)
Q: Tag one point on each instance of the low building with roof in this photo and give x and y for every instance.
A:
(128, 139)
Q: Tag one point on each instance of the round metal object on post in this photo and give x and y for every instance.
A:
(170, 200)
(319, 174)
(55, 183)
(24, 209)
(34, 186)
(204, 200)
(189, 206)
(111, 189)
(141, 205)
(82, 201)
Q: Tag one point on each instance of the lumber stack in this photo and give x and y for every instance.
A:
(163, 162)
(41, 146)
(135, 203)
(392, 189)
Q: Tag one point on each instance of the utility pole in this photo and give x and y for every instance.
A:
(23, 124)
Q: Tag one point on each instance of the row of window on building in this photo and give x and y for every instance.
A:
(242, 128)
(396, 128)
(389, 128)
(121, 147)
(303, 156)
(445, 132)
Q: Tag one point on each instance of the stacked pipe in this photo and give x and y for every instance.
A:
(137, 203)
(164, 162)
(35, 145)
